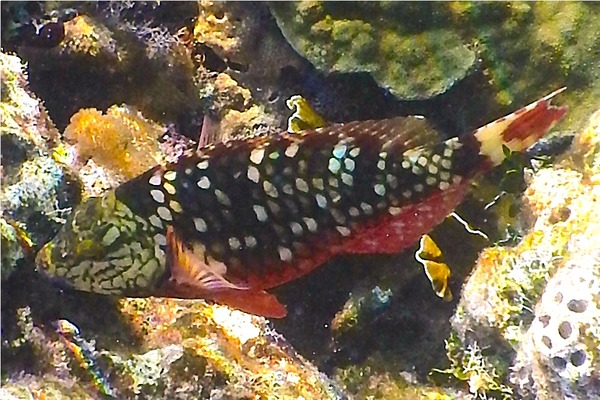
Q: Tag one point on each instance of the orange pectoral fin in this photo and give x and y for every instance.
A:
(191, 270)
(253, 302)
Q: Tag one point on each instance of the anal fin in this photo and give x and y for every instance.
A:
(195, 276)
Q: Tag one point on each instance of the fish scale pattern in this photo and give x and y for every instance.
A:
(270, 202)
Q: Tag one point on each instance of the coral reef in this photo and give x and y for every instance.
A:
(129, 85)
(35, 189)
(419, 50)
(539, 298)
(186, 350)
(412, 62)
(121, 140)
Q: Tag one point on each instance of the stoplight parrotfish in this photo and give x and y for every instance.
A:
(240, 217)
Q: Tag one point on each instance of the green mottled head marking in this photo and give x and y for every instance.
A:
(105, 248)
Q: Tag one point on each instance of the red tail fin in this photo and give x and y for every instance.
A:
(519, 130)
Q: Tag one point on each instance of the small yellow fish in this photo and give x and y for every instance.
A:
(304, 117)
(438, 273)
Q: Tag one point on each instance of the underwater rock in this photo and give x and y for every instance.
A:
(83, 35)
(35, 188)
(115, 57)
(242, 61)
(413, 61)
(539, 299)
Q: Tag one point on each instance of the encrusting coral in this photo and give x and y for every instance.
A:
(539, 300)
(420, 50)
(413, 63)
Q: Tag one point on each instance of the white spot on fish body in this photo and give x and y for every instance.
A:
(288, 189)
(343, 230)
(301, 185)
(339, 151)
(355, 152)
(347, 179)
(349, 164)
(170, 175)
(175, 206)
(311, 224)
(321, 200)
(250, 241)
(261, 213)
(367, 208)
(200, 224)
(204, 183)
(222, 198)
(169, 188)
(291, 150)
(285, 254)
(234, 243)
(379, 189)
(202, 164)
(296, 228)
(154, 220)
(155, 180)
(160, 239)
(157, 195)
(334, 165)
(253, 174)
(392, 181)
(164, 213)
(270, 189)
(318, 183)
(395, 210)
(257, 155)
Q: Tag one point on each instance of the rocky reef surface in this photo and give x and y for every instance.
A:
(95, 93)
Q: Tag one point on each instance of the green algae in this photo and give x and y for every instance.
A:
(420, 50)
(412, 63)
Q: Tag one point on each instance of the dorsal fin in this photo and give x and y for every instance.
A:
(398, 133)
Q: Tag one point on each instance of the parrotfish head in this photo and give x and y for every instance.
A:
(104, 248)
